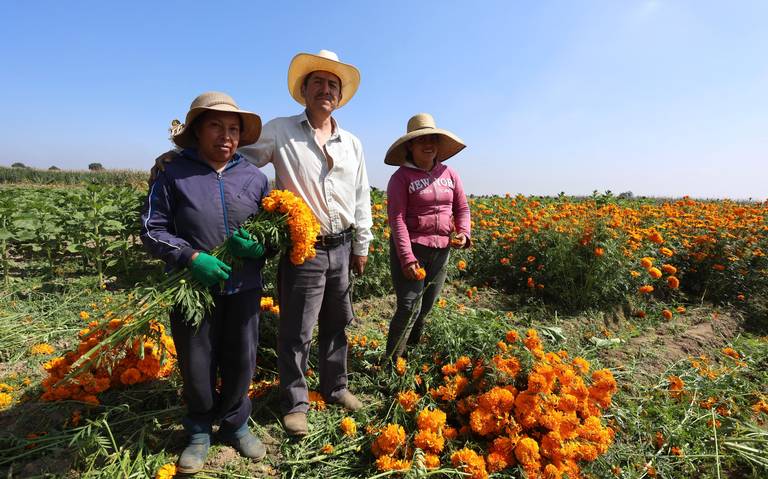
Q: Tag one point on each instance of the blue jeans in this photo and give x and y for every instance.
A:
(434, 261)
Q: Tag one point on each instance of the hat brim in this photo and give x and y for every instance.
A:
(448, 145)
(305, 63)
(249, 135)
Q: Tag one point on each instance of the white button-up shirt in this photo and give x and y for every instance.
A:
(340, 196)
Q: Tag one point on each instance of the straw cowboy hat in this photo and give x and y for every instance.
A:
(183, 135)
(305, 63)
(419, 125)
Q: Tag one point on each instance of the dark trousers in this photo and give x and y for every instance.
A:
(225, 344)
(315, 292)
(434, 261)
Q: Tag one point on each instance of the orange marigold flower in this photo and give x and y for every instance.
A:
(666, 252)
(408, 400)
(42, 348)
(429, 441)
(582, 364)
(431, 461)
(461, 265)
(5, 400)
(84, 315)
(130, 376)
(400, 366)
(680, 309)
(668, 268)
(348, 426)
(646, 262)
(431, 420)
(470, 462)
(527, 452)
(166, 471)
(599, 252)
(316, 400)
(532, 341)
(760, 406)
(463, 363)
(675, 386)
(655, 237)
(667, 314)
(673, 282)
(646, 288)
(421, 273)
(512, 336)
(327, 449)
(389, 463)
(266, 303)
(387, 442)
(718, 267)
(731, 353)
(655, 273)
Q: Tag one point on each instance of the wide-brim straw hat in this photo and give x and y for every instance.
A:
(216, 101)
(305, 63)
(419, 125)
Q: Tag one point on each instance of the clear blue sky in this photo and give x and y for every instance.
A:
(656, 97)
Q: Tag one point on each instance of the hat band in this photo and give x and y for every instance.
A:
(219, 103)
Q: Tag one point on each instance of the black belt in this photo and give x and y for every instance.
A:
(333, 240)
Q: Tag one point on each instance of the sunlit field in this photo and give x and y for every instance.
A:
(578, 337)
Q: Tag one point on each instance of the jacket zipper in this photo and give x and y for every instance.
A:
(226, 219)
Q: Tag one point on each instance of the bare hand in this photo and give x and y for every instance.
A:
(459, 241)
(357, 263)
(410, 271)
(159, 165)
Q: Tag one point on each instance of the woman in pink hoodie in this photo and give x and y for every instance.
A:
(426, 205)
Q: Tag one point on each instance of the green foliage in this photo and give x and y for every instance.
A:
(54, 176)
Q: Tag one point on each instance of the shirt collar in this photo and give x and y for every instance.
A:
(302, 118)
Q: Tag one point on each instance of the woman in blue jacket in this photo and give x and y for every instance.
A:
(196, 204)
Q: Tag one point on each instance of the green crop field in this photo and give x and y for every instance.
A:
(578, 337)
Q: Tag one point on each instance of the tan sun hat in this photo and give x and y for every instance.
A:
(212, 100)
(419, 125)
(305, 63)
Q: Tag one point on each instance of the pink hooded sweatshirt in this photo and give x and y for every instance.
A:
(424, 207)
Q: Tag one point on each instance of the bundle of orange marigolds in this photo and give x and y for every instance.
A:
(546, 429)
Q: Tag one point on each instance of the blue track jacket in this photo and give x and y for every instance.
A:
(190, 207)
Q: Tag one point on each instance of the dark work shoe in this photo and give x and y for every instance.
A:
(349, 401)
(246, 443)
(295, 424)
(193, 456)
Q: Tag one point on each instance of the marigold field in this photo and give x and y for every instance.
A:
(598, 337)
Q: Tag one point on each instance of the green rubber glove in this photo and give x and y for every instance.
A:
(208, 270)
(241, 245)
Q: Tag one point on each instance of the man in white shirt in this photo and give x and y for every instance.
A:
(324, 164)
